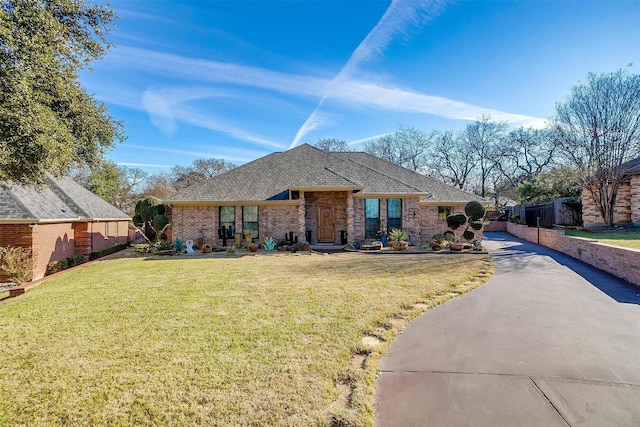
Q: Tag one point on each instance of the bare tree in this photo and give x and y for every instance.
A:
(525, 153)
(332, 144)
(160, 185)
(452, 160)
(484, 136)
(406, 147)
(212, 167)
(598, 129)
(200, 170)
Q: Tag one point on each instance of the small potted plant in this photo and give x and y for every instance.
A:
(399, 239)
(252, 247)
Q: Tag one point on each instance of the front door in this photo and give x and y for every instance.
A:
(326, 222)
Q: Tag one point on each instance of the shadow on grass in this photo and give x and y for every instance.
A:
(517, 253)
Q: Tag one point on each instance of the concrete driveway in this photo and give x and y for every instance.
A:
(547, 341)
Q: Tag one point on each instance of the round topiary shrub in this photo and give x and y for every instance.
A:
(468, 235)
(455, 221)
(476, 225)
(474, 210)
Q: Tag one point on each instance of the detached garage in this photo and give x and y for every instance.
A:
(58, 220)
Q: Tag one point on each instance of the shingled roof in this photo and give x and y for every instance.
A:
(632, 167)
(59, 200)
(306, 167)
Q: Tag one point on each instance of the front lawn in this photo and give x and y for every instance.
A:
(220, 340)
(627, 238)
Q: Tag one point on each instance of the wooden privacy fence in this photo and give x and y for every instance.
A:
(550, 214)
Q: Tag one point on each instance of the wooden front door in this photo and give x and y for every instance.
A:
(326, 224)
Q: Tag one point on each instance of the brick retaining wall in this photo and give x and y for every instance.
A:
(621, 262)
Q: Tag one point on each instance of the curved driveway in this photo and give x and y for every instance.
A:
(547, 341)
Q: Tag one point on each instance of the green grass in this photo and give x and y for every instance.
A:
(626, 239)
(218, 340)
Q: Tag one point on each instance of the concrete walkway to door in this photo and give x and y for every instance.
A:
(547, 341)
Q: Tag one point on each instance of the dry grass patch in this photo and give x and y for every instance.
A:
(225, 340)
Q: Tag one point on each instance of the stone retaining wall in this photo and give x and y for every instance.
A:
(621, 262)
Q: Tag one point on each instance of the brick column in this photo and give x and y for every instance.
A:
(350, 218)
(82, 234)
(302, 218)
(635, 200)
(410, 206)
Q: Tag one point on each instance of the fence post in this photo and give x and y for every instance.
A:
(538, 225)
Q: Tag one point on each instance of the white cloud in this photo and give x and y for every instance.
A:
(203, 79)
(397, 18)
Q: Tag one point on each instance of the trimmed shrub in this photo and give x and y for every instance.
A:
(16, 264)
(474, 210)
(473, 220)
(108, 250)
(74, 260)
(455, 221)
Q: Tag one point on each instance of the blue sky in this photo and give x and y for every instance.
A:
(241, 79)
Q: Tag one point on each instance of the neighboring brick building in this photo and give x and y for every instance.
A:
(627, 207)
(57, 221)
(324, 197)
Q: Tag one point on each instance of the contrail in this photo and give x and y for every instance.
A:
(398, 16)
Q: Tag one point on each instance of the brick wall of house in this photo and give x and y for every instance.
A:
(411, 219)
(430, 225)
(278, 221)
(188, 221)
(622, 210)
(196, 222)
(358, 220)
(621, 262)
(338, 199)
(16, 235)
(107, 233)
(51, 242)
(412, 215)
(634, 194)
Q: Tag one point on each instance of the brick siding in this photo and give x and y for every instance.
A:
(621, 262)
(421, 222)
(634, 198)
(626, 209)
(430, 225)
(51, 242)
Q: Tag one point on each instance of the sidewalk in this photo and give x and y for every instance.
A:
(547, 341)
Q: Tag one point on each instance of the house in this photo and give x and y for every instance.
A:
(319, 196)
(627, 207)
(58, 220)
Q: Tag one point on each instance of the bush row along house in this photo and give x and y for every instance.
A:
(59, 220)
(319, 196)
(627, 207)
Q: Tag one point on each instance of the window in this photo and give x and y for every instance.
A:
(371, 218)
(227, 216)
(444, 212)
(116, 232)
(250, 220)
(106, 230)
(394, 214)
